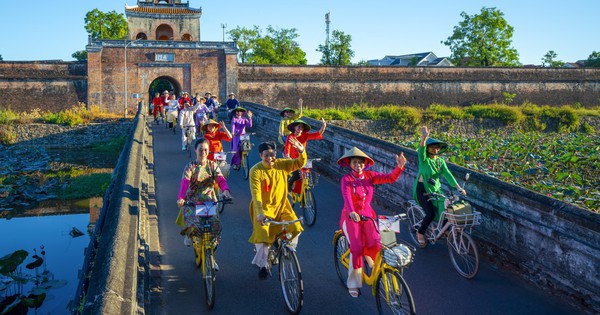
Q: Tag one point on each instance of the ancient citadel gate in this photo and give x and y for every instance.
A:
(162, 51)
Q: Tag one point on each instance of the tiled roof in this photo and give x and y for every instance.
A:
(165, 10)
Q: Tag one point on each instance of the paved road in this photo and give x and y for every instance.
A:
(436, 287)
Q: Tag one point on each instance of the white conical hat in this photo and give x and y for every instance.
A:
(344, 161)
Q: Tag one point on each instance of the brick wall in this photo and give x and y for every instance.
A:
(320, 86)
(47, 85)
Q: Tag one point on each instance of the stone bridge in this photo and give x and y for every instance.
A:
(554, 245)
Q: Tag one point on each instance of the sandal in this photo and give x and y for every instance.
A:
(355, 292)
(421, 240)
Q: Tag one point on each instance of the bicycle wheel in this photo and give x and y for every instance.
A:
(415, 217)
(290, 278)
(197, 250)
(246, 166)
(309, 207)
(398, 299)
(208, 273)
(340, 247)
(463, 253)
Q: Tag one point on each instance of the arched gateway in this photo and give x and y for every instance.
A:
(162, 48)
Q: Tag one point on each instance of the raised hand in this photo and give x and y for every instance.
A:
(400, 160)
(250, 114)
(296, 144)
(424, 131)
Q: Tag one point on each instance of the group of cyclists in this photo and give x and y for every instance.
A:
(271, 179)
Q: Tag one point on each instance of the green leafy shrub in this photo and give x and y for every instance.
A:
(7, 134)
(506, 114)
(443, 112)
(404, 117)
(8, 116)
(64, 117)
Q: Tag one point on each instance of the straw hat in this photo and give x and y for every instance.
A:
(443, 145)
(291, 127)
(344, 161)
(239, 108)
(209, 122)
(230, 94)
(282, 112)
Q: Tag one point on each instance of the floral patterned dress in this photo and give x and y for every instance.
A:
(202, 180)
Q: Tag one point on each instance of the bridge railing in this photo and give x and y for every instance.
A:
(114, 266)
(553, 244)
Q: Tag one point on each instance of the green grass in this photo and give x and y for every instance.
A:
(84, 186)
(114, 146)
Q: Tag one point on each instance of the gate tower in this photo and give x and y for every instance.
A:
(162, 49)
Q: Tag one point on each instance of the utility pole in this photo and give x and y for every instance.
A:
(327, 21)
(223, 26)
(327, 48)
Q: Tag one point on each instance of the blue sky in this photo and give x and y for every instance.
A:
(47, 30)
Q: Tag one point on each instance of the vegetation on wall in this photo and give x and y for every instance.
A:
(549, 163)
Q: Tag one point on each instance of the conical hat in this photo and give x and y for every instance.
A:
(344, 161)
(282, 112)
(232, 112)
(209, 122)
(443, 145)
(292, 126)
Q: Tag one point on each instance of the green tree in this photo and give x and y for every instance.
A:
(483, 39)
(279, 46)
(80, 55)
(337, 51)
(549, 60)
(1, 58)
(245, 39)
(593, 60)
(111, 25)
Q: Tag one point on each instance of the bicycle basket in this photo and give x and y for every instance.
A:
(225, 167)
(207, 209)
(398, 256)
(210, 225)
(461, 214)
(246, 145)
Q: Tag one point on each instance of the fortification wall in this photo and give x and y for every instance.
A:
(321, 86)
(47, 85)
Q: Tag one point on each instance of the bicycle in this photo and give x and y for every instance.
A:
(190, 134)
(306, 198)
(205, 234)
(245, 147)
(460, 220)
(386, 275)
(290, 275)
(221, 159)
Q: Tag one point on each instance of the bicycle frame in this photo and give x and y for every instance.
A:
(378, 266)
(307, 182)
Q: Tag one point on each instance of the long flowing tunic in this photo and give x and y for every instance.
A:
(198, 186)
(268, 187)
(432, 168)
(238, 127)
(215, 142)
(357, 192)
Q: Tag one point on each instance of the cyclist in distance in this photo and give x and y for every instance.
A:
(239, 123)
(198, 185)
(186, 120)
(300, 131)
(214, 136)
(431, 167)
(268, 188)
(357, 192)
(157, 105)
(288, 115)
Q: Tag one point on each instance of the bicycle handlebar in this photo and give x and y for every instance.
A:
(271, 221)
(224, 201)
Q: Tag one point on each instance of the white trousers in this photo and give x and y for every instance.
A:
(262, 252)
(355, 275)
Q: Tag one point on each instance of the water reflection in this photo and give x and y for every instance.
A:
(51, 225)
